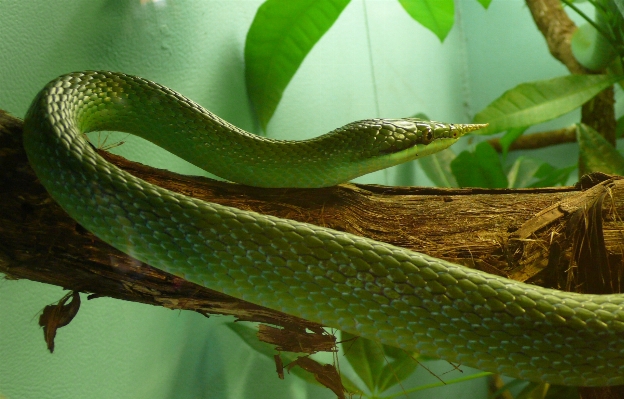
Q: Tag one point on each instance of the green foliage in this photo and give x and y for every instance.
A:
(591, 48)
(284, 31)
(485, 3)
(619, 129)
(481, 168)
(281, 35)
(509, 137)
(599, 43)
(597, 154)
(380, 367)
(437, 167)
(540, 101)
(436, 15)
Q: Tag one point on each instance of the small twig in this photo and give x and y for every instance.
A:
(539, 140)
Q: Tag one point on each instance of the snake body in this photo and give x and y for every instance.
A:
(376, 290)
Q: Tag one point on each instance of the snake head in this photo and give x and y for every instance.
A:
(369, 145)
(388, 142)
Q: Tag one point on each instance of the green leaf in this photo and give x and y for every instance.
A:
(459, 380)
(535, 102)
(596, 154)
(522, 172)
(620, 6)
(549, 176)
(591, 49)
(437, 167)
(530, 172)
(509, 137)
(479, 169)
(366, 357)
(281, 35)
(485, 3)
(436, 15)
(619, 128)
(379, 366)
(398, 367)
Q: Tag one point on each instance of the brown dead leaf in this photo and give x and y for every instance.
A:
(279, 366)
(296, 341)
(57, 316)
(326, 374)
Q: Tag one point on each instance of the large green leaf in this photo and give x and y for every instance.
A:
(281, 35)
(436, 15)
(479, 169)
(596, 154)
(535, 102)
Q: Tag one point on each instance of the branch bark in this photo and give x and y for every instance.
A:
(538, 140)
(532, 235)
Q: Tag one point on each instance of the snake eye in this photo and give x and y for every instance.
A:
(453, 130)
(427, 136)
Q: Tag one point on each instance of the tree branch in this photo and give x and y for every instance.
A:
(539, 140)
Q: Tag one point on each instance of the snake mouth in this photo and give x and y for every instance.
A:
(420, 150)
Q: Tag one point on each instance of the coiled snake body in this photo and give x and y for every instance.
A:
(376, 290)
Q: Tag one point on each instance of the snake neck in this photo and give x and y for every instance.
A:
(96, 101)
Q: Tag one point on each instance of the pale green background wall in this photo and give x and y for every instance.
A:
(120, 350)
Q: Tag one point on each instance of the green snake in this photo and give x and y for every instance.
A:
(389, 294)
